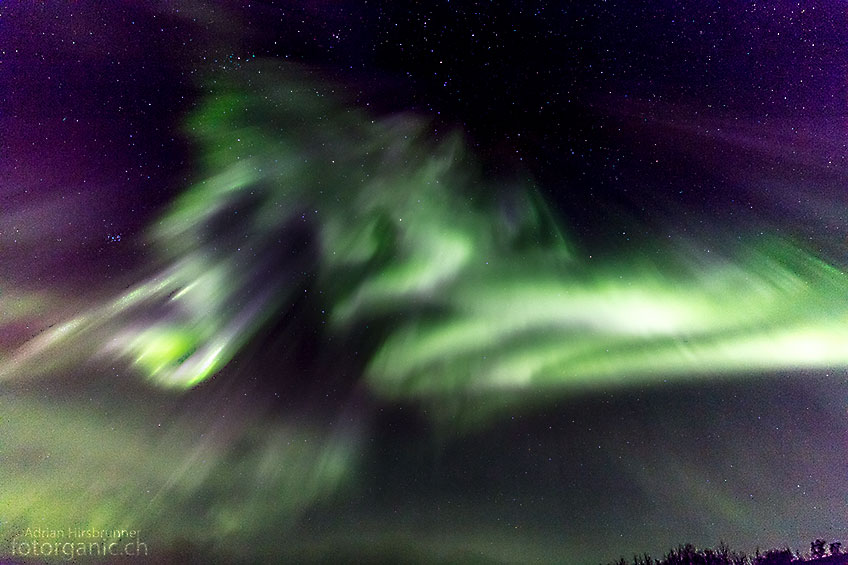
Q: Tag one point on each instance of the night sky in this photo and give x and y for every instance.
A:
(432, 281)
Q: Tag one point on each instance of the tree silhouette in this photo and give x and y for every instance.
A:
(688, 554)
(775, 557)
(817, 548)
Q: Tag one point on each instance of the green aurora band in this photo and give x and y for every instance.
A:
(486, 292)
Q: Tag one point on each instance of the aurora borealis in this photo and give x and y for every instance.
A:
(499, 300)
(331, 315)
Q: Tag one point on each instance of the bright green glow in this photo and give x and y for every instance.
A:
(475, 286)
(433, 261)
(531, 332)
(159, 349)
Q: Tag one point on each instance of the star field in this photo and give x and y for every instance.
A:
(446, 281)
